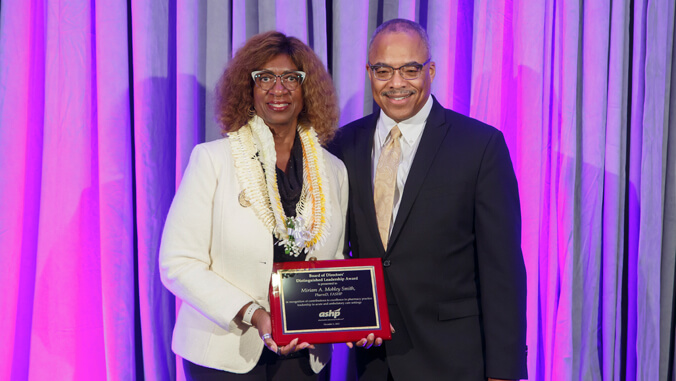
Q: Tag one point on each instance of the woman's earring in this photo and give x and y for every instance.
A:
(251, 112)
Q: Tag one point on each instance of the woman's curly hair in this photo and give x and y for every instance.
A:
(234, 91)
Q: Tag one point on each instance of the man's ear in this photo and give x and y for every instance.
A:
(433, 70)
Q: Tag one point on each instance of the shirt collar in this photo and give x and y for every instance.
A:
(410, 128)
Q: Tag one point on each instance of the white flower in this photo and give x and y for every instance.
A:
(296, 238)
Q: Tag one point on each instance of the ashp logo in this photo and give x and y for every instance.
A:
(330, 313)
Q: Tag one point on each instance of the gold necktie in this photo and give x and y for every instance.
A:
(386, 182)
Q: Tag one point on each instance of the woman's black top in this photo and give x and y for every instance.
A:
(290, 185)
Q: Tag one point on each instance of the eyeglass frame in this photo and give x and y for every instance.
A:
(281, 80)
(422, 65)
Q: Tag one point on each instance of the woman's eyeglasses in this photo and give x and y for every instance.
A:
(266, 80)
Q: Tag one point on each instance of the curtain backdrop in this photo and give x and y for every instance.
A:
(102, 101)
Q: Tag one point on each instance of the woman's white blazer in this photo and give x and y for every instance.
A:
(216, 256)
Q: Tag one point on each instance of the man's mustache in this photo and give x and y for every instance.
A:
(397, 93)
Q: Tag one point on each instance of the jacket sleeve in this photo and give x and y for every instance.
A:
(185, 250)
(502, 274)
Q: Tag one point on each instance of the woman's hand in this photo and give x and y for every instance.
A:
(262, 322)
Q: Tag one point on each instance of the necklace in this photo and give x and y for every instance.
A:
(253, 149)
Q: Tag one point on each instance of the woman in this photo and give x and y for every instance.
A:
(229, 219)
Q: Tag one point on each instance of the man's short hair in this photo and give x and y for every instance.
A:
(403, 25)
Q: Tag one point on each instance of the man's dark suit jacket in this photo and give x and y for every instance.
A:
(454, 272)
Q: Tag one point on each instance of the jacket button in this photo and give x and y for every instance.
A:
(386, 263)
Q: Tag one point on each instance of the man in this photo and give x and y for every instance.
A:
(446, 223)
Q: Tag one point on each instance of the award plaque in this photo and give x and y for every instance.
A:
(332, 301)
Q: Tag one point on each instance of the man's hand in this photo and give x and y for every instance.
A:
(369, 341)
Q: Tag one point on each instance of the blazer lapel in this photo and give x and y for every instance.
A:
(430, 141)
(363, 149)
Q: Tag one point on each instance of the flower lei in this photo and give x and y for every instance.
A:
(253, 149)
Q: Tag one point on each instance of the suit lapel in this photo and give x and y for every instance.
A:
(430, 141)
(363, 149)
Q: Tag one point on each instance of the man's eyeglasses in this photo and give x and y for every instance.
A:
(266, 80)
(409, 71)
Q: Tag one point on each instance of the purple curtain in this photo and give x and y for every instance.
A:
(102, 101)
